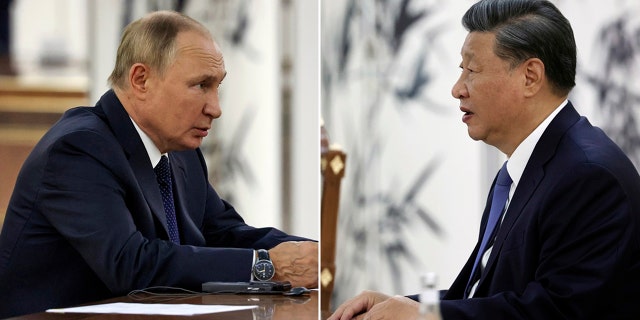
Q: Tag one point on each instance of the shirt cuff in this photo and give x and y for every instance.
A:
(255, 258)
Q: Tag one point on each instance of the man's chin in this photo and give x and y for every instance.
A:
(473, 135)
(188, 145)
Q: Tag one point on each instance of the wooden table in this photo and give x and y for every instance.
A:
(270, 307)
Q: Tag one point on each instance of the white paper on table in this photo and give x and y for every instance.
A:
(152, 308)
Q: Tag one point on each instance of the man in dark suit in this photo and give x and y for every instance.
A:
(567, 244)
(88, 220)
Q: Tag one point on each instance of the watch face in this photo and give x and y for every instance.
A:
(263, 270)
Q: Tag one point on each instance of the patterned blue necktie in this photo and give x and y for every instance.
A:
(498, 202)
(163, 173)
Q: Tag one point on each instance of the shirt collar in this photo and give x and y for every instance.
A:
(152, 151)
(521, 155)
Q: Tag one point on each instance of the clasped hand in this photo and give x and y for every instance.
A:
(370, 305)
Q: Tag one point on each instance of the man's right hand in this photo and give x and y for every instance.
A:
(296, 262)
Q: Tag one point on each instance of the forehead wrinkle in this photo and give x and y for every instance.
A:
(214, 59)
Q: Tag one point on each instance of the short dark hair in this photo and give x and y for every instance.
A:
(527, 29)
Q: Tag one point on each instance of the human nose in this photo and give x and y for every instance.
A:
(212, 107)
(459, 90)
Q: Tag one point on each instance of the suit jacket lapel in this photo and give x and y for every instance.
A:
(531, 177)
(125, 132)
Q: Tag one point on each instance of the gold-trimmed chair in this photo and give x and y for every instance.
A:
(332, 166)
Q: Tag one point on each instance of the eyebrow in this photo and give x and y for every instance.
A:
(208, 77)
(467, 54)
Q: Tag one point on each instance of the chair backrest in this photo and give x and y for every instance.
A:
(332, 166)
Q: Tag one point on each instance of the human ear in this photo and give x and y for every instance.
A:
(534, 74)
(138, 76)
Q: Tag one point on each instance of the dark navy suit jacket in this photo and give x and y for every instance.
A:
(86, 221)
(569, 245)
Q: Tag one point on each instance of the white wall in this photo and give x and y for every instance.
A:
(305, 140)
(44, 27)
(103, 35)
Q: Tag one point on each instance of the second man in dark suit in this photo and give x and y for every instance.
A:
(567, 245)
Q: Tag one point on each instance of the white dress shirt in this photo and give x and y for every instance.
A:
(152, 150)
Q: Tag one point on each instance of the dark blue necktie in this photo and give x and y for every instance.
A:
(498, 202)
(163, 173)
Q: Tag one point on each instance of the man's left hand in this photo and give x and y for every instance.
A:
(396, 307)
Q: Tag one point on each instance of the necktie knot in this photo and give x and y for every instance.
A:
(503, 176)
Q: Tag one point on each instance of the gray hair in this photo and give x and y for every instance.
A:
(151, 40)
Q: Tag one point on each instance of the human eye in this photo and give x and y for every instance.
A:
(204, 85)
(464, 68)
